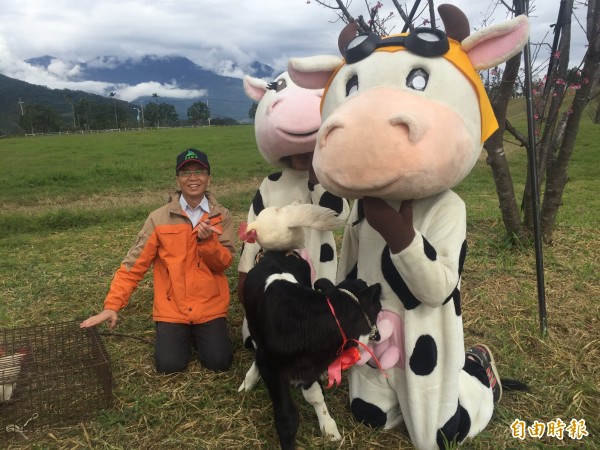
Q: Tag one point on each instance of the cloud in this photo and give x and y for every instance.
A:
(104, 62)
(225, 36)
(236, 31)
(63, 70)
(130, 93)
(64, 75)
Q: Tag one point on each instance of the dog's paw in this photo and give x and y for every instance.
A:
(252, 377)
(248, 384)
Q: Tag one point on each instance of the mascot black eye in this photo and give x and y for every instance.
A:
(277, 85)
(352, 85)
(417, 79)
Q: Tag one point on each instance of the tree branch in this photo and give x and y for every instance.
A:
(401, 11)
(520, 137)
(344, 14)
(507, 6)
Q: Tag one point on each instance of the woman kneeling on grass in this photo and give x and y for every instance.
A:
(190, 242)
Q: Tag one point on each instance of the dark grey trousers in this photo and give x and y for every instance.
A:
(174, 342)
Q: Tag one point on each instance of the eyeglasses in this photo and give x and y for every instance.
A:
(189, 173)
(426, 42)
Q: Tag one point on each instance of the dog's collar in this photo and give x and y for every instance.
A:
(346, 358)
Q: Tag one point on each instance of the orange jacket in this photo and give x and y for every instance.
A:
(190, 285)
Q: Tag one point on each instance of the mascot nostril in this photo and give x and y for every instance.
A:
(326, 131)
(413, 130)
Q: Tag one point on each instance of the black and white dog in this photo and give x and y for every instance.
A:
(299, 331)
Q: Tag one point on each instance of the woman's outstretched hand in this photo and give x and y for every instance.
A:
(106, 315)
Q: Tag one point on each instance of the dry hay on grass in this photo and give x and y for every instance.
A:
(500, 306)
(203, 410)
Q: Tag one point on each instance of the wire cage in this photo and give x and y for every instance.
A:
(51, 375)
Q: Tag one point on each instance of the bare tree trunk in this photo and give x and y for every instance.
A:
(548, 109)
(496, 158)
(557, 89)
(557, 171)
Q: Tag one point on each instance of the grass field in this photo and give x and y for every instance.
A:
(71, 206)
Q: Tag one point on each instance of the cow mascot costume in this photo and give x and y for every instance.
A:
(404, 119)
(286, 123)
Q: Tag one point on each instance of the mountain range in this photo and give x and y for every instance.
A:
(224, 94)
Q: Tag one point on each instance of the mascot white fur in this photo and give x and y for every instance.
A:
(404, 120)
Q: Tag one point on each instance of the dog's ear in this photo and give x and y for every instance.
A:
(370, 302)
(375, 291)
(371, 295)
(324, 285)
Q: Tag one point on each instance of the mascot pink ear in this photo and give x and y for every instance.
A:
(254, 88)
(494, 45)
(489, 46)
(313, 72)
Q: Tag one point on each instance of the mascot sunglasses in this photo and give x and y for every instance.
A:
(427, 42)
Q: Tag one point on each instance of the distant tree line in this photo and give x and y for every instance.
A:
(86, 114)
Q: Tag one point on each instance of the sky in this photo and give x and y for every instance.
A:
(220, 35)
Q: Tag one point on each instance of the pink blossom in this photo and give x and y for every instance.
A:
(554, 95)
(560, 81)
(534, 91)
(575, 87)
(569, 111)
(536, 117)
(557, 54)
(585, 80)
